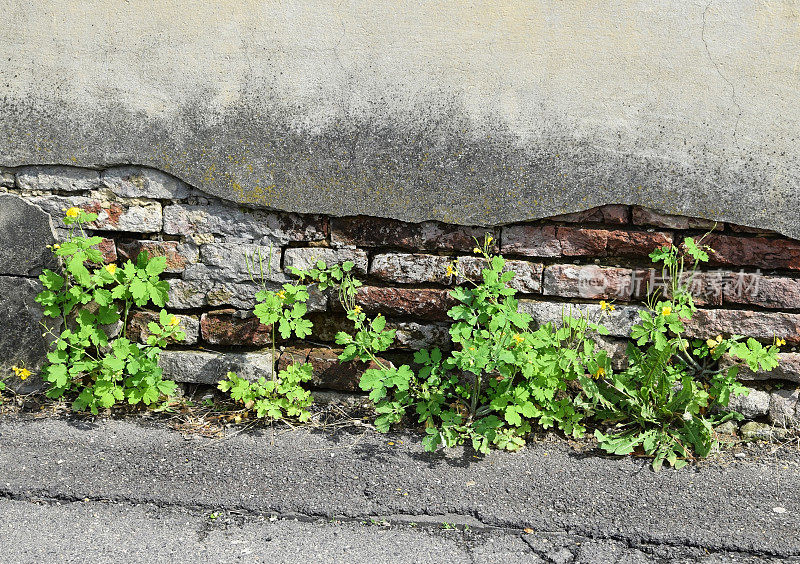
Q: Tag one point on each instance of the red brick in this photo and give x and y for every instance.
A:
(637, 244)
(593, 282)
(292, 355)
(332, 374)
(531, 240)
(744, 229)
(179, 255)
(109, 250)
(428, 236)
(137, 326)
(417, 303)
(646, 216)
(706, 287)
(765, 326)
(760, 252)
(576, 242)
(773, 292)
(229, 327)
(613, 214)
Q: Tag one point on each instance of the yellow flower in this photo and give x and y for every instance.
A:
(281, 295)
(357, 309)
(600, 373)
(476, 250)
(666, 310)
(711, 343)
(450, 270)
(518, 338)
(173, 321)
(780, 342)
(23, 373)
(56, 246)
(489, 239)
(73, 212)
(111, 268)
(605, 306)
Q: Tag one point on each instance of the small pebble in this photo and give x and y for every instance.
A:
(779, 509)
(739, 455)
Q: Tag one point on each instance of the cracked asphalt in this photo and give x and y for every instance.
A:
(129, 491)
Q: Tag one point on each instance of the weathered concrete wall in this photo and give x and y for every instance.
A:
(482, 114)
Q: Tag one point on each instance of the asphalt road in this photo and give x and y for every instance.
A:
(123, 491)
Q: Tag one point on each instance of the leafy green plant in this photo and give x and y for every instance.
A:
(283, 395)
(662, 404)
(388, 385)
(502, 377)
(90, 300)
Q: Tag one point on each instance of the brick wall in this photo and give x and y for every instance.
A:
(751, 286)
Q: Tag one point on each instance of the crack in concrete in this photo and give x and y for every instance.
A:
(719, 71)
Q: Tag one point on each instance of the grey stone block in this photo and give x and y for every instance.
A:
(142, 182)
(783, 408)
(25, 233)
(241, 223)
(21, 341)
(788, 369)
(206, 367)
(57, 179)
(619, 322)
(306, 258)
(237, 262)
(189, 294)
(755, 404)
(761, 431)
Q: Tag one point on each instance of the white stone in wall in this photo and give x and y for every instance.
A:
(111, 215)
(619, 322)
(206, 367)
(240, 223)
(142, 182)
(306, 258)
(755, 404)
(57, 179)
(237, 262)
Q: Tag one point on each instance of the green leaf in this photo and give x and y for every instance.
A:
(378, 324)
(102, 297)
(78, 270)
(158, 292)
(139, 291)
(302, 328)
(57, 374)
(156, 265)
(51, 280)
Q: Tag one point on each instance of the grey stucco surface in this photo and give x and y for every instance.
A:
(488, 114)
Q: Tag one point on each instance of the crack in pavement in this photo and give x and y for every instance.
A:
(546, 544)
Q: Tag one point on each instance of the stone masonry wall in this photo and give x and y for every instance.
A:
(751, 286)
